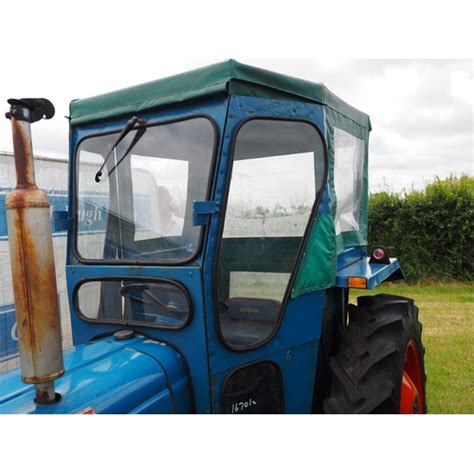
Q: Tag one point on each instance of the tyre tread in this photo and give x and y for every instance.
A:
(366, 370)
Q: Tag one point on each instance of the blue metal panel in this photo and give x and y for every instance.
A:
(61, 221)
(191, 340)
(109, 376)
(301, 324)
(3, 214)
(375, 273)
(297, 365)
(8, 333)
(324, 205)
(350, 256)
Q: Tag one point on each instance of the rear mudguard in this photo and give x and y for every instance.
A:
(369, 275)
(136, 375)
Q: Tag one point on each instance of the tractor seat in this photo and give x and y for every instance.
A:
(246, 321)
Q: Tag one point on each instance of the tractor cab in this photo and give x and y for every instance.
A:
(216, 221)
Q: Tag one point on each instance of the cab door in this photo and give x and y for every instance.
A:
(135, 258)
(262, 341)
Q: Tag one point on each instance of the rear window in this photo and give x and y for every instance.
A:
(348, 169)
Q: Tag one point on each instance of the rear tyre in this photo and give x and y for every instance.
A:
(379, 363)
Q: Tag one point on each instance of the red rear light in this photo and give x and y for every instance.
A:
(379, 255)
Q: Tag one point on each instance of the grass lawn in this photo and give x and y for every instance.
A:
(447, 315)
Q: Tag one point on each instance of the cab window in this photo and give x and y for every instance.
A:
(278, 169)
(141, 208)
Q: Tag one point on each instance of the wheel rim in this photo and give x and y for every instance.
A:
(411, 397)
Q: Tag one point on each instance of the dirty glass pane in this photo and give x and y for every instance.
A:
(281, 196)
(134, 302)
(141, 209)
(348, 167)
(277, 171)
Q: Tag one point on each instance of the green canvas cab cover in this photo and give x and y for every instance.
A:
(229, 77)
(346, 134)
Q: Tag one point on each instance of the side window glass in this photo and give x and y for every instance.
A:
(136, 302)
(278, 168)
(348, 165)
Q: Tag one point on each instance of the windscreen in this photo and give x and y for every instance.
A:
(141, 208)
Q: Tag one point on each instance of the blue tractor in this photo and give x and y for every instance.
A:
(217, 220)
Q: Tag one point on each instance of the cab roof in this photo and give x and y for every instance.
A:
(228, 77)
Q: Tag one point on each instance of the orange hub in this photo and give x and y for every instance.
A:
(411, 397)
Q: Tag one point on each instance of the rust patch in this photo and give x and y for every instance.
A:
(43, 378)
(39, 277)
(42, 397)
(34, 284)
(23, 156)
(45, 393)
(21, 198)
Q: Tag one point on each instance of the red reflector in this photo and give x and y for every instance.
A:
(378, 253)
(87, 411)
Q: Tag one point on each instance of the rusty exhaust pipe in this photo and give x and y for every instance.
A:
(32, 259)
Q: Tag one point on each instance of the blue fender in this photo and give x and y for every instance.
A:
(372, 274)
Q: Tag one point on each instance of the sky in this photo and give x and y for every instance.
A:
(421, 109)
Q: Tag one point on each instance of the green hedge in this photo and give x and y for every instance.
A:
(430, 231)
